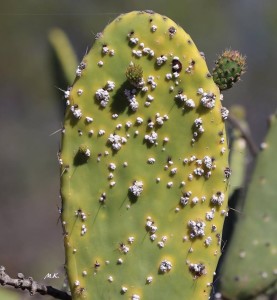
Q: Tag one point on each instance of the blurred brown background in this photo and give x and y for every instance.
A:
(30, 238)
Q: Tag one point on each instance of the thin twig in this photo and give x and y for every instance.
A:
(32, 286)
(245, 134)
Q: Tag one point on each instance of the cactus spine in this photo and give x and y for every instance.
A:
(144, 166)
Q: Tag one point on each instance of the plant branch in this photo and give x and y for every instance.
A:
(245, 134)
(32, 286)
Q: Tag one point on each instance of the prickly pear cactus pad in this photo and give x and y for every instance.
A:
(144, 166)
(251, 261)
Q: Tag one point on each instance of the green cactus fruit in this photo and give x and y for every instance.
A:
(143, 215)
(228, 69)
(250, 266)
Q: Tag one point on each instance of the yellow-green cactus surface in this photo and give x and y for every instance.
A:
(144, 166)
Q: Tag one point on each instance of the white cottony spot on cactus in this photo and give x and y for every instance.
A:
(124, 289)
(154, 28)
(77, 113)
(192, 158)
(151, 138)
(218, 198)
(224, 113)
(200, 91)
(110, 86)
(112, 184)
(116, 141)
(197, 270)
(128, 124)
(149, 279)
(168, 76)
(169, 184)
(208, 162)
(150, 124)
(198, 171)
(151, 160)
(181, 97)
(173, 171)
(165, 266)
(131, 239)
(135, 297)
(103, 96)
(190, 103)
(198, 122)
(123, 248)
(83, 230)
(153, 237)
(101, 132)
(208, 241)
(161, 60)
(120, 261)
(112, 166)
(184, 200)
(137, 53)
(137, 188)
(134, 40)
(80, 92)
(105, 50)
(210, 214)
(133, 104)
(139, 120)
(195, 200)
(161, 244)
(197, 228)
(76, 282)
(89, 119)
(208, 100)
(150, 98)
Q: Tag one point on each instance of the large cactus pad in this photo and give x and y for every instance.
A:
(144, 166)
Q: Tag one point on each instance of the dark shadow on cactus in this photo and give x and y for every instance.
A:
(148, 145)
(119, 101)
(80, 159)
(97, 102)
(73, 121)
(227, 234)
(133, 199)
(201, 110)
(69, 116)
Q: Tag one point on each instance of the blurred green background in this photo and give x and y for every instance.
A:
(31, 239)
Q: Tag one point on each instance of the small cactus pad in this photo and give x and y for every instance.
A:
(250, 267)
(64, 57)
(229, 68)
(143, 166)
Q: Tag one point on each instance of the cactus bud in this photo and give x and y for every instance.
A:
(134, 74)
(228, 69)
